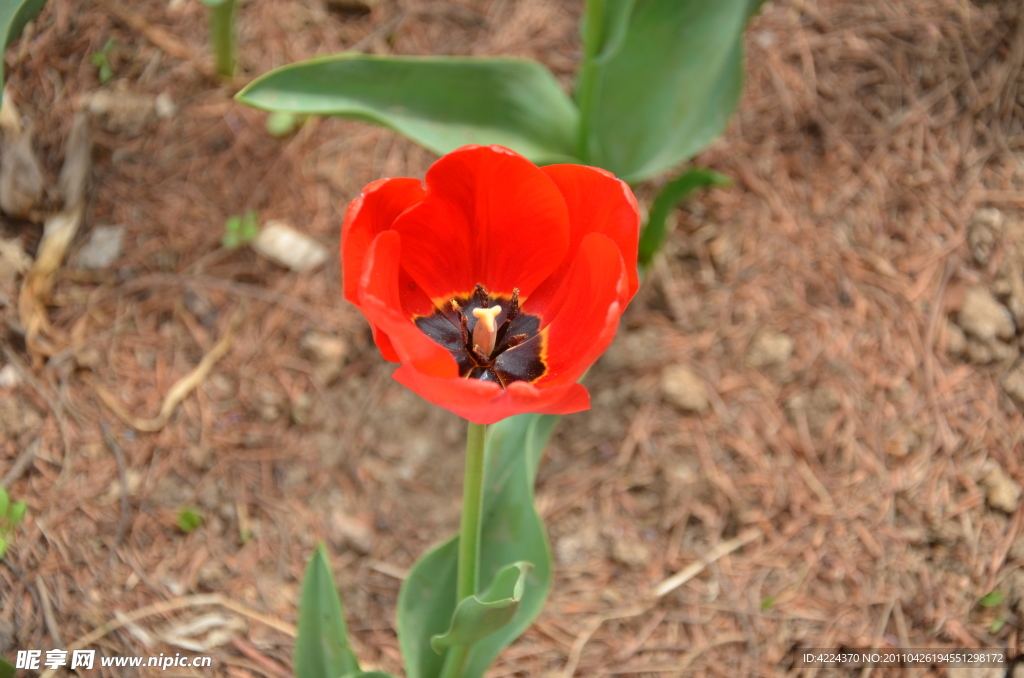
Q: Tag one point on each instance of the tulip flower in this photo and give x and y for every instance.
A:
(497, 283)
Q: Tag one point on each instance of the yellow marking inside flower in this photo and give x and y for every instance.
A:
(486, 328)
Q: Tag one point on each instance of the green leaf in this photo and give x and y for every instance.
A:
(7, 669)
(603, 29)
(3, 547)
(16, 513)
(512, 532)
(5, 502)
(653, 234)
(426, 603)
(479, 616)
(441, 103)
(14, 14)
(321, 647)
(997, 626)
(668, 90)
(368, 674)
(189, 520)
(993, 598)
(604, 38)
(768, 603)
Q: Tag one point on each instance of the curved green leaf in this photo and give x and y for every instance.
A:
(511, 532)
(7, 669)
(668, 90)
(425, 606)
(441, 103)
(368, 674)
(321, 646)
(480, 616)
(671, 195)
(14, 14)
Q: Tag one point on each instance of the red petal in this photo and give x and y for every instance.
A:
(380, 302)
(374, 211)
(489, 217)
(598, 203)
(484, 402)
(384, 345)
(582, 317)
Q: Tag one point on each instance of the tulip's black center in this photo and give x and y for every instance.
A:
(500, 346)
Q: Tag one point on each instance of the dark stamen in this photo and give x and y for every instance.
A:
(516, 339)
(481, 294)
(513, 305)
(514, 330)
(479, 357)
(510, 315)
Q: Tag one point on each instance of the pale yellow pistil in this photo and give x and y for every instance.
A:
(486, 329)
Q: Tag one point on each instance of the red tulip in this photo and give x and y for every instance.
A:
(498, 283)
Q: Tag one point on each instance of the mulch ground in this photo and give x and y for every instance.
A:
(804, 404)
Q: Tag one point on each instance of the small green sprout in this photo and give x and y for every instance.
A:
(101, 60)
(222, 35)
(188, 520)
(245, 534)
(993, 598)
(240, 231)
(11, 515)
(768, 603)
(997, 626)
(283, 123)
(16, 513)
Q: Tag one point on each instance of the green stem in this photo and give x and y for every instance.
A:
(472, 510)
(454, 661)
(222, 36)
(469, 537)
(588, 73)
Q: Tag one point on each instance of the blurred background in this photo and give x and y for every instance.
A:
(826, 351)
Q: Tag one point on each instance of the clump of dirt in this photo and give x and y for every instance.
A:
(988, 323)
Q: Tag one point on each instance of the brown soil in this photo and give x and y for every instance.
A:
(850, 404)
